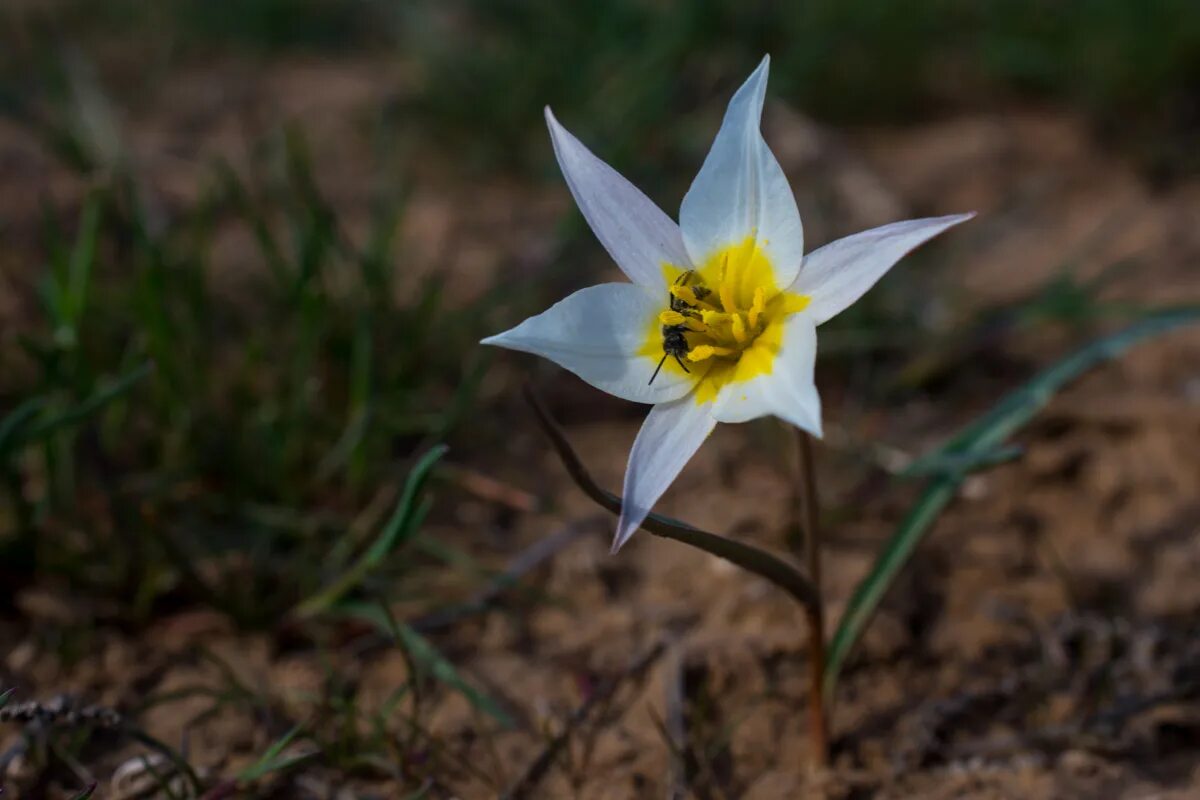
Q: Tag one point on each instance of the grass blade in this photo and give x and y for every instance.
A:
(1018, 407)
(941, 463)
(404, 522)
(426, 657)
(273, 760)
(13, 422)
(169, 753)
(83, 257)
(972, 448)
(93, 403)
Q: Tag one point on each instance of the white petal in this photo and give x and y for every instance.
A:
(597, 333)
(634, 231)
(788, 391)
(841, 272)
(741, 191)
(670, 436)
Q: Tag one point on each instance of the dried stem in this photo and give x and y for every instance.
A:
(760, 562)
(809, 513)
(533, 774)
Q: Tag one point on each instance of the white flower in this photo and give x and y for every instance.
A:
(719, 323)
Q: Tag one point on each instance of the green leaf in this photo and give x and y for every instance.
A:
(99, 398)
(426, 657)
(422, 792)
(19, 427)
(83, 256)
(940, 464)
(171, 754)
(406, 519)
(970, 449)
(272, 761)
(86, 793)
(13, 422)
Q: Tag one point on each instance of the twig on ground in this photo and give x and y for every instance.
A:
(19, 748)
(603, 693)
(490, 489)
(60, 710)
(675, 726)
(1095, 733)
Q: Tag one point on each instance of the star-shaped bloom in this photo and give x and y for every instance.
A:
(720, 321)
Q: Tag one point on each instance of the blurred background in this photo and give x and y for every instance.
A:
(247, 251)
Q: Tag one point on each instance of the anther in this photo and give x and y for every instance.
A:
(671, 318)
(688, 295)
(759, 305)
(684, 293)
(726, 293)
(706, 351)
(738, 328)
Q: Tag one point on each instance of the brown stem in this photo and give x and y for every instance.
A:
(817, 720)
(760, 562)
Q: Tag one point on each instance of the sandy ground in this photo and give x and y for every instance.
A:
(1043, 644)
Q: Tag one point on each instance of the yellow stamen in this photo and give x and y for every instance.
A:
(726, 292)
(705, 351)
(739, 329)
(687, 295)
(759, 305)
(684, 293)
(730, 309)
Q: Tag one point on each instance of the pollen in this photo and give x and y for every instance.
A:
(731, 313)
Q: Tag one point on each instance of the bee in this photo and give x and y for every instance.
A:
(675, 343)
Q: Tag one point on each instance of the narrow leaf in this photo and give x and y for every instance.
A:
(406, 519)
(978, 440)
(273, 761)
(90, 405)
(941, 464)
(427, 658)
(83, 256)
(12, 424)
(86, 793)
(171, 754)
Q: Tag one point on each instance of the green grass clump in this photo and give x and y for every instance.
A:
(1132, 67)
(175, 432)
(490, 65)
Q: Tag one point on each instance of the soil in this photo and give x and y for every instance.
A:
(1044, 642)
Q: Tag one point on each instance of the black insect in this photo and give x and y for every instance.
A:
(675, 343)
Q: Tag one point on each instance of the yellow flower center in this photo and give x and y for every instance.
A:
(729, 312)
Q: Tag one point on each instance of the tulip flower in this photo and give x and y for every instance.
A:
(719, 320)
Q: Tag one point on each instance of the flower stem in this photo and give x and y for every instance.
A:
(809, 512)
(760, 562)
